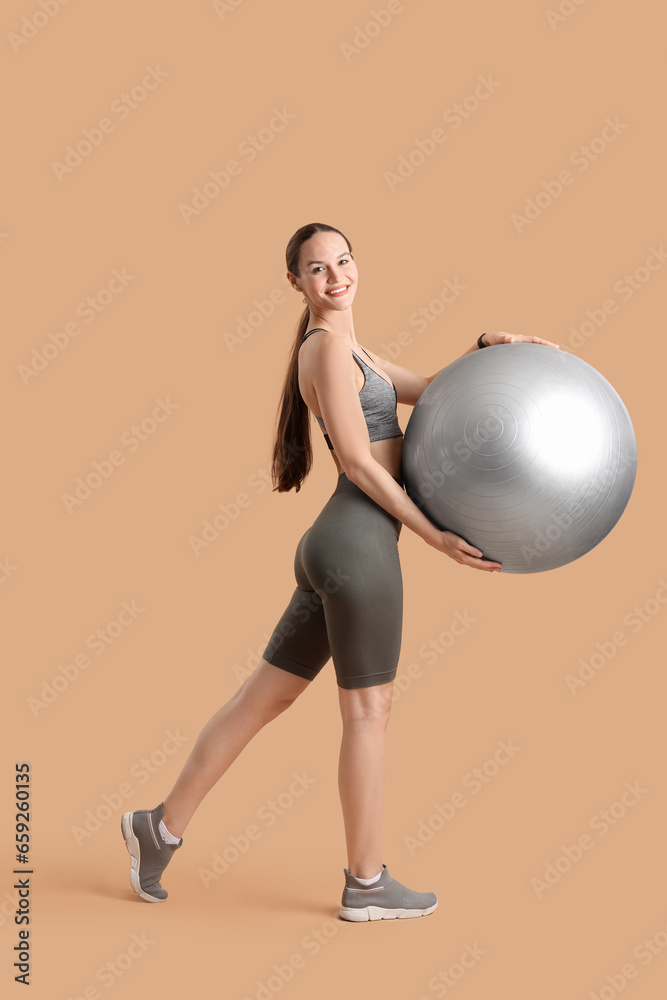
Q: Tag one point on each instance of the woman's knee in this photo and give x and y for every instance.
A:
(269, 690)
(366, 704)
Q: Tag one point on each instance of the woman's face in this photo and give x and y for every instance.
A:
(328, 277)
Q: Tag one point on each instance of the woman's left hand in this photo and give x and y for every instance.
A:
(500, 337)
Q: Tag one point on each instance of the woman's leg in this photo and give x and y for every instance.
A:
(264, 695)
(361, 770)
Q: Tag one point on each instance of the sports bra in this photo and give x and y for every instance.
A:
(378, 402)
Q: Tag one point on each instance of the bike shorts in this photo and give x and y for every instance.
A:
(348, 601)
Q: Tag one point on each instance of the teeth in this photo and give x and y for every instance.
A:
(338, 291)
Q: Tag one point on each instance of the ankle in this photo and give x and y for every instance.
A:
(365, 870)
(172, 824)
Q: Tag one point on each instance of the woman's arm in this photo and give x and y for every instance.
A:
(500, 337)
(410, 385)
(338, 399)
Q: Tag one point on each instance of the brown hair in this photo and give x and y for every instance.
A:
(292, 450)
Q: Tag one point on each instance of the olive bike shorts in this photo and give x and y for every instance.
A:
(348, 601)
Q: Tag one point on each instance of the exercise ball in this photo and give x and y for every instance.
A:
(524, 450)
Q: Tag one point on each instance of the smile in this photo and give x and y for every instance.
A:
(339, 291)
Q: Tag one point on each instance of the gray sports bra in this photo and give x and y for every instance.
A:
(378, 401)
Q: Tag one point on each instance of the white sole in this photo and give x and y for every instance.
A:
(378, 913)
(132, 845)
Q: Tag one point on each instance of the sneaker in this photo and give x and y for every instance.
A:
(150, 854)
(386, 899)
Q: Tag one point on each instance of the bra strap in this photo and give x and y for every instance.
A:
(318, 328)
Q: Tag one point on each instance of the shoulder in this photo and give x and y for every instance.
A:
(316, 335)
(329, 361)
(327, 345)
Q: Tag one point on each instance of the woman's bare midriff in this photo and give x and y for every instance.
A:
(386, 453)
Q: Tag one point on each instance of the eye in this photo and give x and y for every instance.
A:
(341, 261)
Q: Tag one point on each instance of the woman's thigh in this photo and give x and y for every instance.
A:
(348, 600)
(350, 556)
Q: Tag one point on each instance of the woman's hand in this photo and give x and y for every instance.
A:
(462, 552)
(500, 337)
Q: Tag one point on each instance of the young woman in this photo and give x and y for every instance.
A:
(348, 601)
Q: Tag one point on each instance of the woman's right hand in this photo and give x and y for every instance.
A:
(462, 552)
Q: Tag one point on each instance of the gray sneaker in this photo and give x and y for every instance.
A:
(384, 900)
(150, 854)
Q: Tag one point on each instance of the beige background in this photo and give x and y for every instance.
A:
(205, 616)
